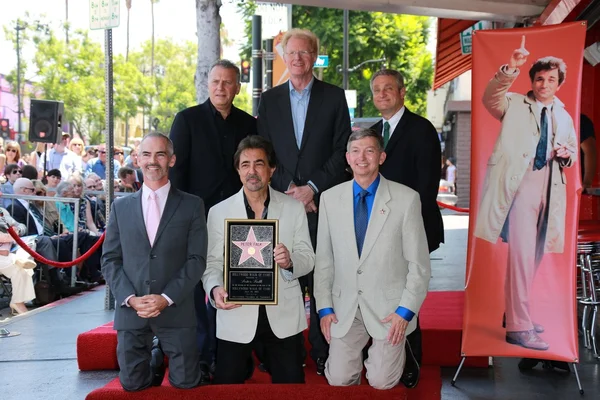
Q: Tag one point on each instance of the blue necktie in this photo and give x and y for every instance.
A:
(361, 219)
(542, 147)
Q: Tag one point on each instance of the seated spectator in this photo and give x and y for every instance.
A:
(53, 178)
(128, 179)
(48, 208)
(67, 210)
(12, 151)
(12, 173)
(30, 172)
(20, 277)
(98, 165)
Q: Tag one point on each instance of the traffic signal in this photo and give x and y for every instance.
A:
(245, 77)
(4, 129)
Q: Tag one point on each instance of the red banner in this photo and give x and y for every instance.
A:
(525, 186)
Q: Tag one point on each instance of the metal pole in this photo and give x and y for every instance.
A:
(345, 61)
(109, 300)
(269, 64)
(19, 105)
(257, 73)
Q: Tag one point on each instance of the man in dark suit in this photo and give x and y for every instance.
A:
(205, 139)
(413, 159)
(154, 255)
(308, 122)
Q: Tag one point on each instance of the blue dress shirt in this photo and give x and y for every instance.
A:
(370, 199)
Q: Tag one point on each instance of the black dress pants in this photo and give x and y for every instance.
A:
(284, 356)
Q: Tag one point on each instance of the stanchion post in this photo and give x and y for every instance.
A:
(577, 377)
(453, 382)
(109, 300)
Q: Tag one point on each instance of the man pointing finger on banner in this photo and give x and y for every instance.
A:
(524, 194)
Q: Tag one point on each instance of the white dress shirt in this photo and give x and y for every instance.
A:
(39, 227)
(393, 121)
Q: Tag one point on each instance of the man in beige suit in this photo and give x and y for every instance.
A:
(372, 270)
(278, 328)
(524, 195)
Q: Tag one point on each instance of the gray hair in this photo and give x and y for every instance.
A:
(363, 133)
(389, 72)
(305, 34)
(63, 187)
(155, 134)
(227, 65)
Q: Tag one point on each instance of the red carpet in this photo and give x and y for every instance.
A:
(259, 387)
(441, 322)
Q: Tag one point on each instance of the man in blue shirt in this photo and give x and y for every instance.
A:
(98, 165)
(372, 268)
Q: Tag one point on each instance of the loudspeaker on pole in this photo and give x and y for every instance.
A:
(45, 121)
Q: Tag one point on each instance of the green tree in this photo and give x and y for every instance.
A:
(175, 65)
(243, 100)
(400, 39)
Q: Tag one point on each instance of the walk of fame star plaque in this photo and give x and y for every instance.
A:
(250, 271)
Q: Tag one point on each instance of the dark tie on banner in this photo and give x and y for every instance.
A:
(386, 133)
(542, 147)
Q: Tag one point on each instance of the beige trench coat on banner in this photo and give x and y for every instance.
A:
(514, 151)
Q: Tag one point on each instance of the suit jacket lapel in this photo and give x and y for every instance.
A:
(399, 132)
(275, 206)
(285, 113)
(172, 203)
(379, 214)
(314, 106)
(138, 215)
(346, 218)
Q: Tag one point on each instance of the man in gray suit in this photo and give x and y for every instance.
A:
(154, 255)
(372, 268)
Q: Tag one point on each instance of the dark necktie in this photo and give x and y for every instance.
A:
(542, 147)
(361, 219)
(386, 133)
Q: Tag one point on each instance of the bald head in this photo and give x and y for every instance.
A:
(23, 186)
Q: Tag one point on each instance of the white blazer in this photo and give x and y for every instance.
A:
(393, 269)
(288, 317)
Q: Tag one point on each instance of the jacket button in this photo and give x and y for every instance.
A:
(360, 292)
(152, 256)
(359, 271)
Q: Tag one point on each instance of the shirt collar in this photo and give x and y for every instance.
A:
(372, 189)
(396, 117)
(249, 211)
(307, 89)
(216, 112)
(161, 192)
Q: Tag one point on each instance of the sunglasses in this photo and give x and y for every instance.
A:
(12, 150)
(29, 189)
(118, 154)
(102, 151)
(17, 171)
(40, 193)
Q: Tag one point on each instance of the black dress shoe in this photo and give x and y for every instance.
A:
(527, 364)
(204, 374)
(321, 365)
(157, 363)
(412, 371)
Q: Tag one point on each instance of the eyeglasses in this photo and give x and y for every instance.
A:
(301, 53)
(102, 151)
(12, 150)
(17, 171)
(29, 189)
(40, 193)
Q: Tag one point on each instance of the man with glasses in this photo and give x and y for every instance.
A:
(98, 165)
(12, 173)
(308, 122)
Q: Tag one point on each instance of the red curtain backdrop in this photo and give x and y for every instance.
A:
(552, 296)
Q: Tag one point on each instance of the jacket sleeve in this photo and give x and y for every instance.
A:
(185, 279)
(494, 96)
(112, 260)
(416, 253)
(333, 170)
(180, 135)
(324, 263)
(302, 254)
(213, 276)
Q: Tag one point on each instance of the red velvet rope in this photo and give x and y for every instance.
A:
(449, 207)
(57, 264)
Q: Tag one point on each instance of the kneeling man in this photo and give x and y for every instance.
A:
(279, 327)
(372, 270)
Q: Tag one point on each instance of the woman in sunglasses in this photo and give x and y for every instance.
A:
(12, 172)
(12, 150)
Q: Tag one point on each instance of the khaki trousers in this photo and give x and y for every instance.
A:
(527, 222)
(344, 364)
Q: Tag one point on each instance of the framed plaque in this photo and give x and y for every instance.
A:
(250, 271)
